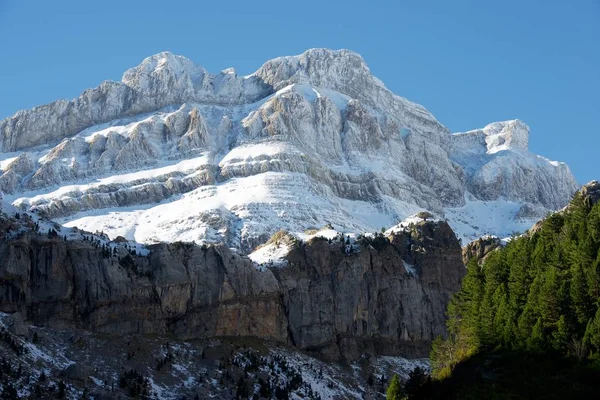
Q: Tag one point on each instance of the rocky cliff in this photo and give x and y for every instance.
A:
(387, 298)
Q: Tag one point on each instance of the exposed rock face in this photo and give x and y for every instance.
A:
(317, 132)
(389, 298)
(497, 163)
(480, 248)
(591, 192)
(16, 324)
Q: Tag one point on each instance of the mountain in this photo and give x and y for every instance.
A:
(173, 152)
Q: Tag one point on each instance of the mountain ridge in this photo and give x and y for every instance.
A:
(316, 132)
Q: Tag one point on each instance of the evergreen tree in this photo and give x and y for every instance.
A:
(593, 223)
(592, 332)
(548, 300)
(519, 279)
(580, 298)
(503, 326)
(540, 292)
(61, 390)
(536, 341)
(416, 379)
(394, 390)
(560, 337)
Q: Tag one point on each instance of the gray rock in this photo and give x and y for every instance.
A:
(16, 324)
(337, 305)
(77, 372)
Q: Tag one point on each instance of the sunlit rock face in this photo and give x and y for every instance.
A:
(173, 152)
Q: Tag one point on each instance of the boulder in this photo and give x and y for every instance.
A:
(16, 324)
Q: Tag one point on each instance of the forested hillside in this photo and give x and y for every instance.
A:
(528, 306)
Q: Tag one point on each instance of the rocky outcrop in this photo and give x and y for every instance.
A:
(590, 193)
(480, 248)
(389, 298)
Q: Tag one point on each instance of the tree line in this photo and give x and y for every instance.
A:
(540, 293)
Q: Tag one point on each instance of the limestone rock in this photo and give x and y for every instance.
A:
(78, 372)
(317, 130)
(389, 298)
(16, 324)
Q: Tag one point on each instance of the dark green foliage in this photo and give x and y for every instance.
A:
(514, 374)
(592, 332)
(265, 389)
(417, 379)
(128, 262)
(370, 380)
(541, 293)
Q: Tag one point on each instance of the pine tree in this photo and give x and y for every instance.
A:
(540, 292)
(467, 302)
(593, 223)
(503, 326)
(519, 279)
(536, 341)
(548, 300)
(580, 299)
(61, 390)
(592, 332)
(416, 379)
(560, 337)
(394, 390)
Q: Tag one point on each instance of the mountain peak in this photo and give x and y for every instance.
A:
(494, 137)
(507, 134)
(317, 66)
(165, 65)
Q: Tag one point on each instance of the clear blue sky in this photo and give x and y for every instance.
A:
(468, 62)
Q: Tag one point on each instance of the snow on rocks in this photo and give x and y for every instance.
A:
(174, 152)
(270, 255)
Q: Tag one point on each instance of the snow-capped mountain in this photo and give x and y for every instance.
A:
(173, 152)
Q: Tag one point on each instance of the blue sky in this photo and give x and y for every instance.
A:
(468, 62)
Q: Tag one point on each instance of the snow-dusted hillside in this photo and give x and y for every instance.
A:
(176, 153)
(38, 360)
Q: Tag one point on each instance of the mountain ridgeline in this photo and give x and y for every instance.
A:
(173, 152)
(529, 313)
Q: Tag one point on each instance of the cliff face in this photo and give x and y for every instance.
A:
(389, 298)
